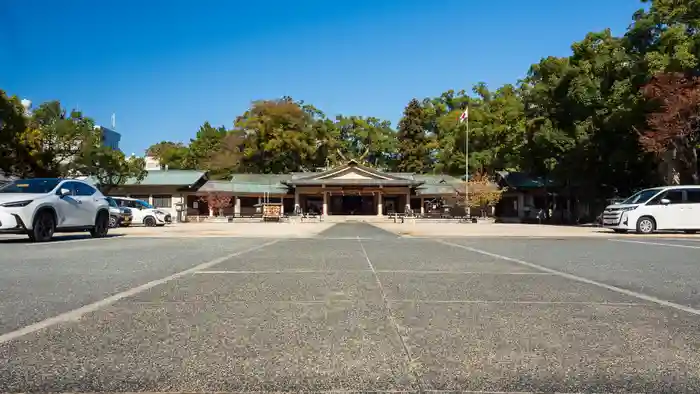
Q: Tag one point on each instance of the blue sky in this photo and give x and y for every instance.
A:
(165, 67)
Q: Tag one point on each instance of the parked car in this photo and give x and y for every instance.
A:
(144, 212)
(43, 206)
(675, 208)
(115, 213)
(127, 217)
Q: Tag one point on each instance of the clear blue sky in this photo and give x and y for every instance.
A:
(165, 67)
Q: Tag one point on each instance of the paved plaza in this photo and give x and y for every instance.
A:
(351, 307)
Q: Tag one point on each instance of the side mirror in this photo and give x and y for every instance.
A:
(64, 192)
(665, 201)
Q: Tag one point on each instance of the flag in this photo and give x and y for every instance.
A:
(465, 115)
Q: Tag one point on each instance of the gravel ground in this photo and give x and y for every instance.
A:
(358, 308)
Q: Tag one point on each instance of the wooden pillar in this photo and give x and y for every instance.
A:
(422, 206)
(380, 205)
(236, 205)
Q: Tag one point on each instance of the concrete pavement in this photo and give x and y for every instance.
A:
(353, 308)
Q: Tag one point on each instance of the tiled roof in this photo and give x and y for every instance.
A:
(260, 178)
(437, 184)
(169, 177)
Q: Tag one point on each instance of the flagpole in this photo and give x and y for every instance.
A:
(466, 163)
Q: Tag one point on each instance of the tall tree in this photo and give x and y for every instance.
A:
(56, 137)
(207, 141)
(673, 130)
(172, 154)
(16, 158)
(414, 146)
(109, 168)
(228, 159)
(279, 136)
(370, 138)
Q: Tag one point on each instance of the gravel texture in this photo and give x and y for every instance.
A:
(666, 272)
(38, 281)
(315, 314)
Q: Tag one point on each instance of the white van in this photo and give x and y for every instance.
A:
(144, 212)
(660, 208)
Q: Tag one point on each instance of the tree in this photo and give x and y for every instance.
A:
(217, 202)
(207, 141)
(227, 160)
(369, 136)
(483, 193)
(16, 158)
(171, 154)
(673, 131)
(56, 138)
(110, 168)
(279, 136)
(414, 146)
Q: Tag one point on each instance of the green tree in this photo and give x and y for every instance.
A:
(16, 158)
(414, 145)
(56, 138)
(369, 138)
(228, 159)
(279, 136)
(172, 154)
(109, 167)
(206, 142)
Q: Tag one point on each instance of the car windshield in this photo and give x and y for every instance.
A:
(32, 186)
(112, 203)
(145, 204)
(641, 196)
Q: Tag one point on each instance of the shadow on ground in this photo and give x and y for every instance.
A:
(20, 239)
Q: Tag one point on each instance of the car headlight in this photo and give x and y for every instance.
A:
(626, 209)
(16, 204)
(160, 213)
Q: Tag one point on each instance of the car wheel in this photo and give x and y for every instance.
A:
(43, 227)
(150, 221)
(113, 222)
(646, 225)
(101, 226)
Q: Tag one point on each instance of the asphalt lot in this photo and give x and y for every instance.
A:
(356, 308)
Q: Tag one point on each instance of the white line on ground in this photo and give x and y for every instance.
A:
(76, 314)
(616, 289)
(279, 272)
(266, 302)
(655, 243)
(518, 302)
(390, 316)
(461, 272)
(367, 270)
(342, 238)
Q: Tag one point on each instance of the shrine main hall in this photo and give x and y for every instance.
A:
(349, 189)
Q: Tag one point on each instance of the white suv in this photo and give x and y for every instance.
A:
(40, 207)
(144, 212)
